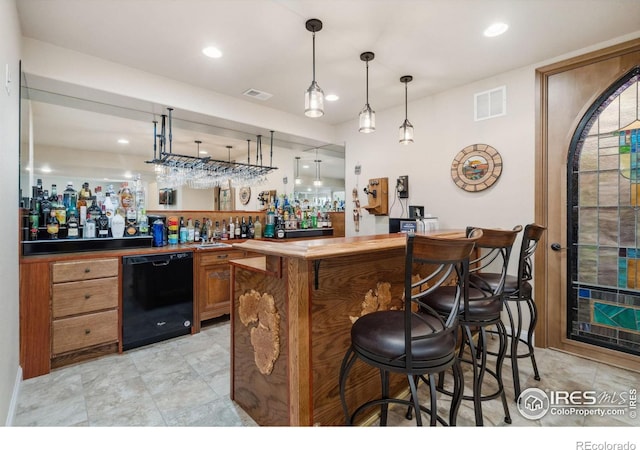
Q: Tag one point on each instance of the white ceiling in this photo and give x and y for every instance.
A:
(267, 47)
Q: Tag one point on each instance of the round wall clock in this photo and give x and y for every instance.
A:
(245, 195)
(476, 167)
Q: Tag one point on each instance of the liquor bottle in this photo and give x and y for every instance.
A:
(258, 228)
(143, 223)
(204, 232)
(224, 234)
(183, 233)
(61, 211)
(131, 228)
(191, 231)
(126, 197)
(69, 197)
(84, 197)
(73, 226)
(250, 229)
(117, 225)
(209, 230)
(93, 211)
(139, 194)
(34, 221)
(196, 231)
(109, 206)
(54, 193)
(237, 232)
(243, 229)
(99, 198)
(102, 223)
(279, 227)
(232, 229)
(217, 232)
(53, 225)
(45, 208)
(89, 229)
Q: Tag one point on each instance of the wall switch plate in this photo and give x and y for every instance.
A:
(402, 186)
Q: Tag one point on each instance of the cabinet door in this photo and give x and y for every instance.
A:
(213, 284)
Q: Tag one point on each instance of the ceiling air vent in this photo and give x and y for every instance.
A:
(259, 95)
(490, 104)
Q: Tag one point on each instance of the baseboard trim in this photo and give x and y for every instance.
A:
(13, 406)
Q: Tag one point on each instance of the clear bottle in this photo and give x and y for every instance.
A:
(126, 198)
(117, 226)
(61, 211)
(237, 232)
(225, 234)
(110, 205)
(196, 231)
(204, 232)
(143, 223)
(191, 231)
(257, 228)
(131, 222)
(232, 229)
(139, 193)
(251, 231)
(89, 229)
(217, 232)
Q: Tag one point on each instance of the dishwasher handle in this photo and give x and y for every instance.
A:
(158, 260)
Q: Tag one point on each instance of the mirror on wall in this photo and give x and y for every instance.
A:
(70, 133)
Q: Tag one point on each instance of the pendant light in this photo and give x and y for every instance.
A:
(406, 129)
(297, 179)
(314, 97)
(367, 115)
(318, 181)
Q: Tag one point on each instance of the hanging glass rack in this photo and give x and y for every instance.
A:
(174, 170)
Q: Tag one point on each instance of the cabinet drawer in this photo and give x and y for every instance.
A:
(84, 331)
(84, 270)
(219, 257)
(79, 297)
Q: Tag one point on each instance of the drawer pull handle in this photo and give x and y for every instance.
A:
(87, 270)
(87, 331)
(223, 256)
(87, 296)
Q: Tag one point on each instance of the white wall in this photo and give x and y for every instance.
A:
(444, 125)
(10, 373)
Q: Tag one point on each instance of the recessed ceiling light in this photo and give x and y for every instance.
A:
(123, 141)
(45, 169)
(212, 52)
(331, 97)
(305, 166)
(496, 29)
(203, 152)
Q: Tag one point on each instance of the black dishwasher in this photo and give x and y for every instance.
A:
(157, 297)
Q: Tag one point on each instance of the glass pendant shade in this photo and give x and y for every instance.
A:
(406, 133)
(297, 179)
(314, 101)
(314, 97)
(367, 117)
(367, 120)
(406, 129)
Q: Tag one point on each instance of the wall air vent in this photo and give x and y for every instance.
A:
(490, 104)
(259, 95)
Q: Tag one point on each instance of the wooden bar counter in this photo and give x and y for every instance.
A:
(291, 316)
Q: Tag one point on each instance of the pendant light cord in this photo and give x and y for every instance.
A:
(367, 83)
(314, 55)
(405, 101)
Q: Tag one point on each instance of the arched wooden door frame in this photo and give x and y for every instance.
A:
(565, 91)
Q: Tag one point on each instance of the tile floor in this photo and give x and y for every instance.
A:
(185, 382)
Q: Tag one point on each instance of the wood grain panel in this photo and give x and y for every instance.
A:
(84, 331)
(343, 284)
(35, 319)
(84, 270)
(264, 397)
(78, 297)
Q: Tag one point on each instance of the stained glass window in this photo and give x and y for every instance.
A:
(603, 226)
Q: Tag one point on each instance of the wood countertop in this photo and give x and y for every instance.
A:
(335, 247)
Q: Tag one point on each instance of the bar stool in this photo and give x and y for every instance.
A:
(518, 290)
(481, 309)
(417, 341)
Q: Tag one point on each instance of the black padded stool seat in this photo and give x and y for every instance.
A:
(517, 292)
(481, 309)
(380, 336)
(416, 341)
